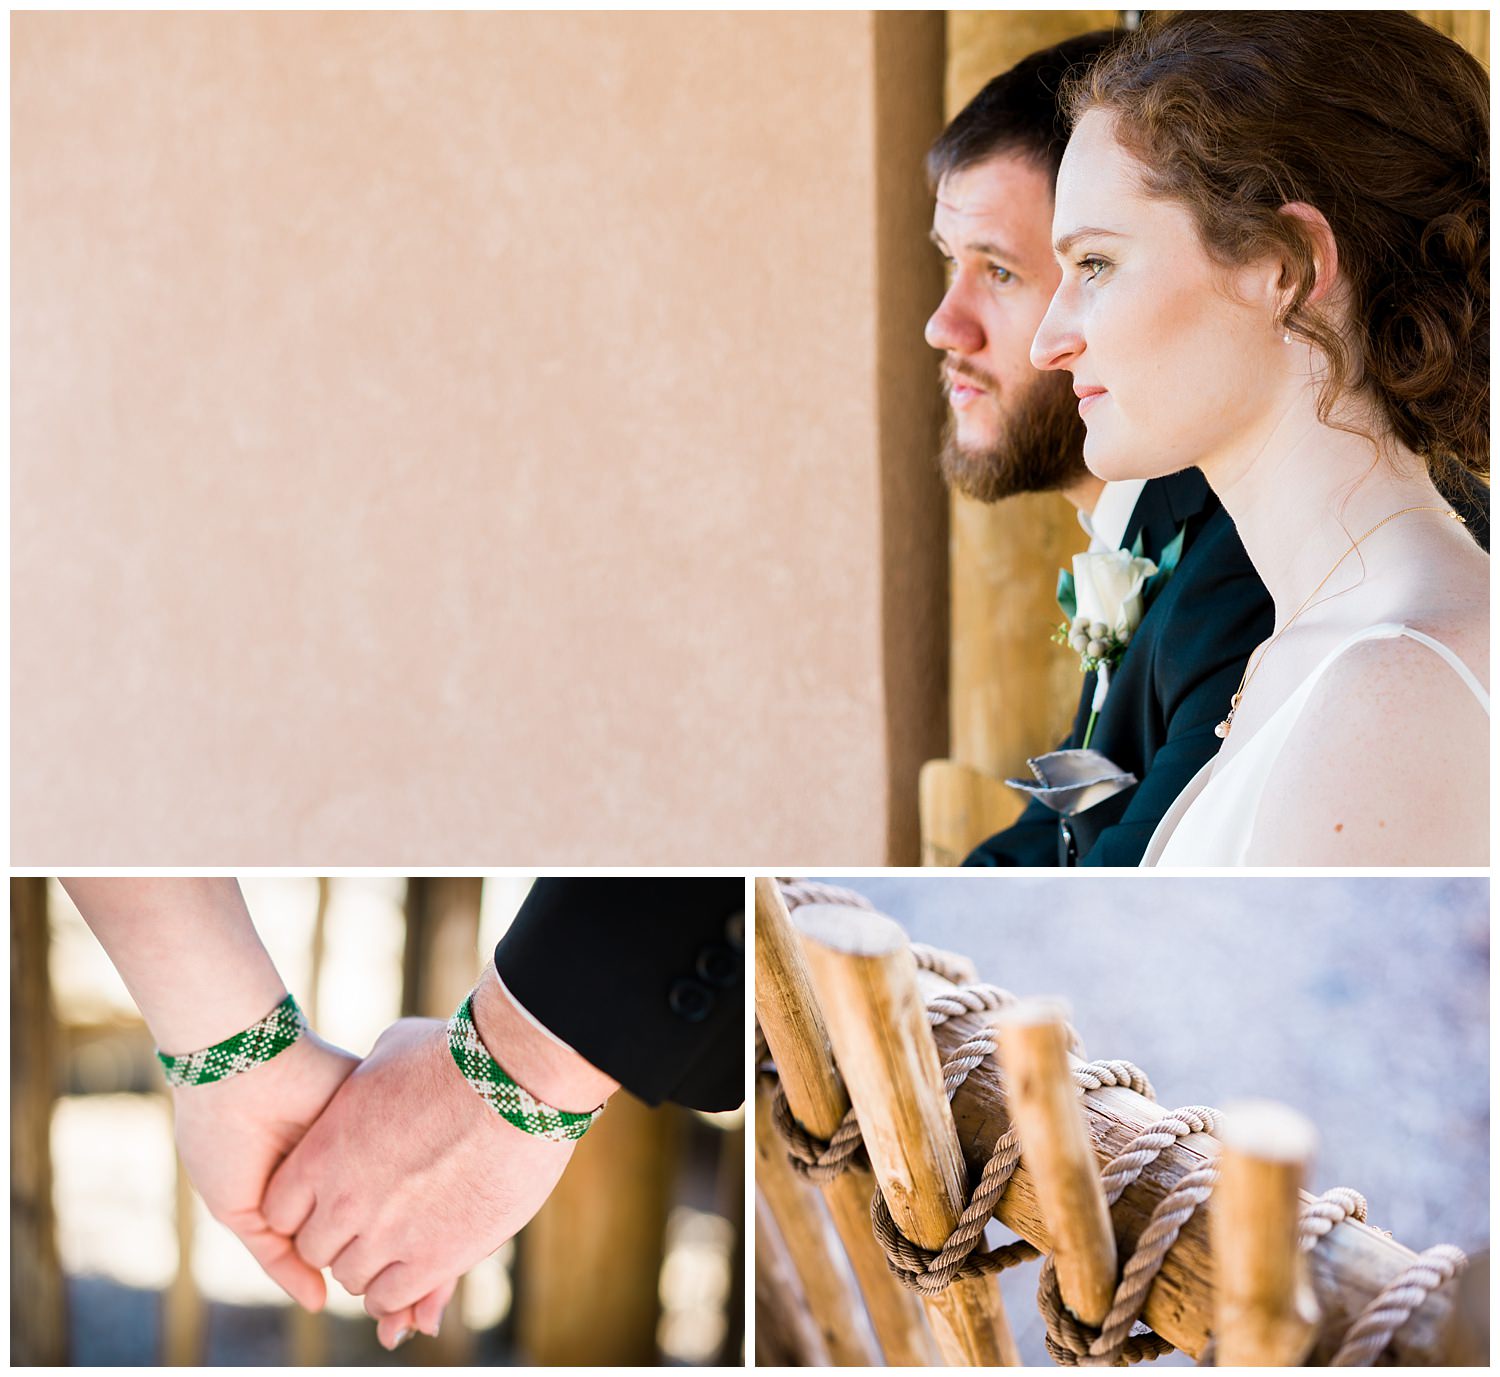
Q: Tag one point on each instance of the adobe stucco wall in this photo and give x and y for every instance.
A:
(473, 439)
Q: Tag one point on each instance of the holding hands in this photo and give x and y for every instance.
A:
(399, 1173)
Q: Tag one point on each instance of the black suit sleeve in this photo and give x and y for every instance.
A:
(1218, 612)
(644, 977)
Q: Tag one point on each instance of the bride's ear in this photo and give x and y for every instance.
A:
(1317, 234)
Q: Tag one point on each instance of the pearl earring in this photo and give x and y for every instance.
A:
(1287, 337)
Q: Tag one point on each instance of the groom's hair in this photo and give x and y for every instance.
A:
(1018, 111)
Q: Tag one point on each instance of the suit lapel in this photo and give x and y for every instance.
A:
(1162, 508)
(1164, 505)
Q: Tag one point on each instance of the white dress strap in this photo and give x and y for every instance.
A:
(1459, 667)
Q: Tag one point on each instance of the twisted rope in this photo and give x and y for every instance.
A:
(1371, 1333)
(795, 893)
(1072, 1343)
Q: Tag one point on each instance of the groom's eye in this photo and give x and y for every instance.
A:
(1000, 273)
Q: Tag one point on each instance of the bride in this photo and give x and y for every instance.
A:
(1274, 236)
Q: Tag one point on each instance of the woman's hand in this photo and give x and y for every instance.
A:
(232, 1135)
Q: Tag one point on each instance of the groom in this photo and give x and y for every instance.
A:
(1013, 430)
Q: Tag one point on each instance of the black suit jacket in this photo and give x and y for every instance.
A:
(644, 977)
(1171, 689)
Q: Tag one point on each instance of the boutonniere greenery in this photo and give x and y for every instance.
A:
(1104, 596)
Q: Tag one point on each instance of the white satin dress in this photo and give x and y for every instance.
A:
(1212, 821)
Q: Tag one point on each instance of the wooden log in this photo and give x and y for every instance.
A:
(1012, 693)
(1468, 1338)
(1349, 1267)
(310, 1332)
(1264, 1311)
(38, 1294)
(785, 1335)
(789, 1017)
(729, 1190)
(1056, 1145)
(602, 1235)
(866, 983)
(960, 807)
(827, 1283)
(184, 1313)
(440, 962)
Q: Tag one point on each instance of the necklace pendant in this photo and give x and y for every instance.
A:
(1222, 730)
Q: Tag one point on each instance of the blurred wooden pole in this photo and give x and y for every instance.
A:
(588, 1288)
(731, 1196)
(184, 1313)
(310, 1336)
(440, 964)
(1468, 1338)
(1264, 1311)
(1055, 1142)
(827, 1282)
(785, 1335)
(798, 1038)
(38, 1294)
(866, 983)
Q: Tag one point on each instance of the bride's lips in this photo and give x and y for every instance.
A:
(1087, 396)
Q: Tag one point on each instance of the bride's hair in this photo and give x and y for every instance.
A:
(1376, 120)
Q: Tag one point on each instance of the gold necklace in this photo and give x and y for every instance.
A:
(1222, 730)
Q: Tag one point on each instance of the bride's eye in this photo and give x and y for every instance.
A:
(1092, 266)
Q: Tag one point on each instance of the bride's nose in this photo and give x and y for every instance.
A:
(1058, 340)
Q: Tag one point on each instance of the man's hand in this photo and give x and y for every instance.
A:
(232, 1134)
(409, 1178)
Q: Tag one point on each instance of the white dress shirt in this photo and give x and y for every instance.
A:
(1105, 526)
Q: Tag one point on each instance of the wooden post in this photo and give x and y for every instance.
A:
(1468, 1332)
(866, 983)
(794, 1028)
(38, 1295)
(1012, 693)
(184, 1314)
(440, 964)
(785, 1335)
(730, 1191)
(827, 1283)
(960, 806)
(310, 1332)
(1264, 1311)
(1350, 1266)
(1055, 1141)
(601, 1235)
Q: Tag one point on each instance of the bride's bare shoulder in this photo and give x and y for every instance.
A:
(1387, 763)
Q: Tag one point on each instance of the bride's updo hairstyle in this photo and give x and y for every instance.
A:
(1377, 121)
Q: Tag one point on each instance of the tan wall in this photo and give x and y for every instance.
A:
(470, 439)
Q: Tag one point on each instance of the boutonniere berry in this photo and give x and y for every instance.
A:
(1104, 597)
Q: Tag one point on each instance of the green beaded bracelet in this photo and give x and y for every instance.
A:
(261, 1041)
(510, 1101)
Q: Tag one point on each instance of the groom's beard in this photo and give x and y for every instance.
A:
(1039, 448)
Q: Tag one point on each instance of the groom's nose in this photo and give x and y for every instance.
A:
(953, 329)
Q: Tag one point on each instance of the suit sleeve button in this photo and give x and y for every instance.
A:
(689, 1000)
(719, 966)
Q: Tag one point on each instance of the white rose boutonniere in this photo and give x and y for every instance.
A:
(1104, 596)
